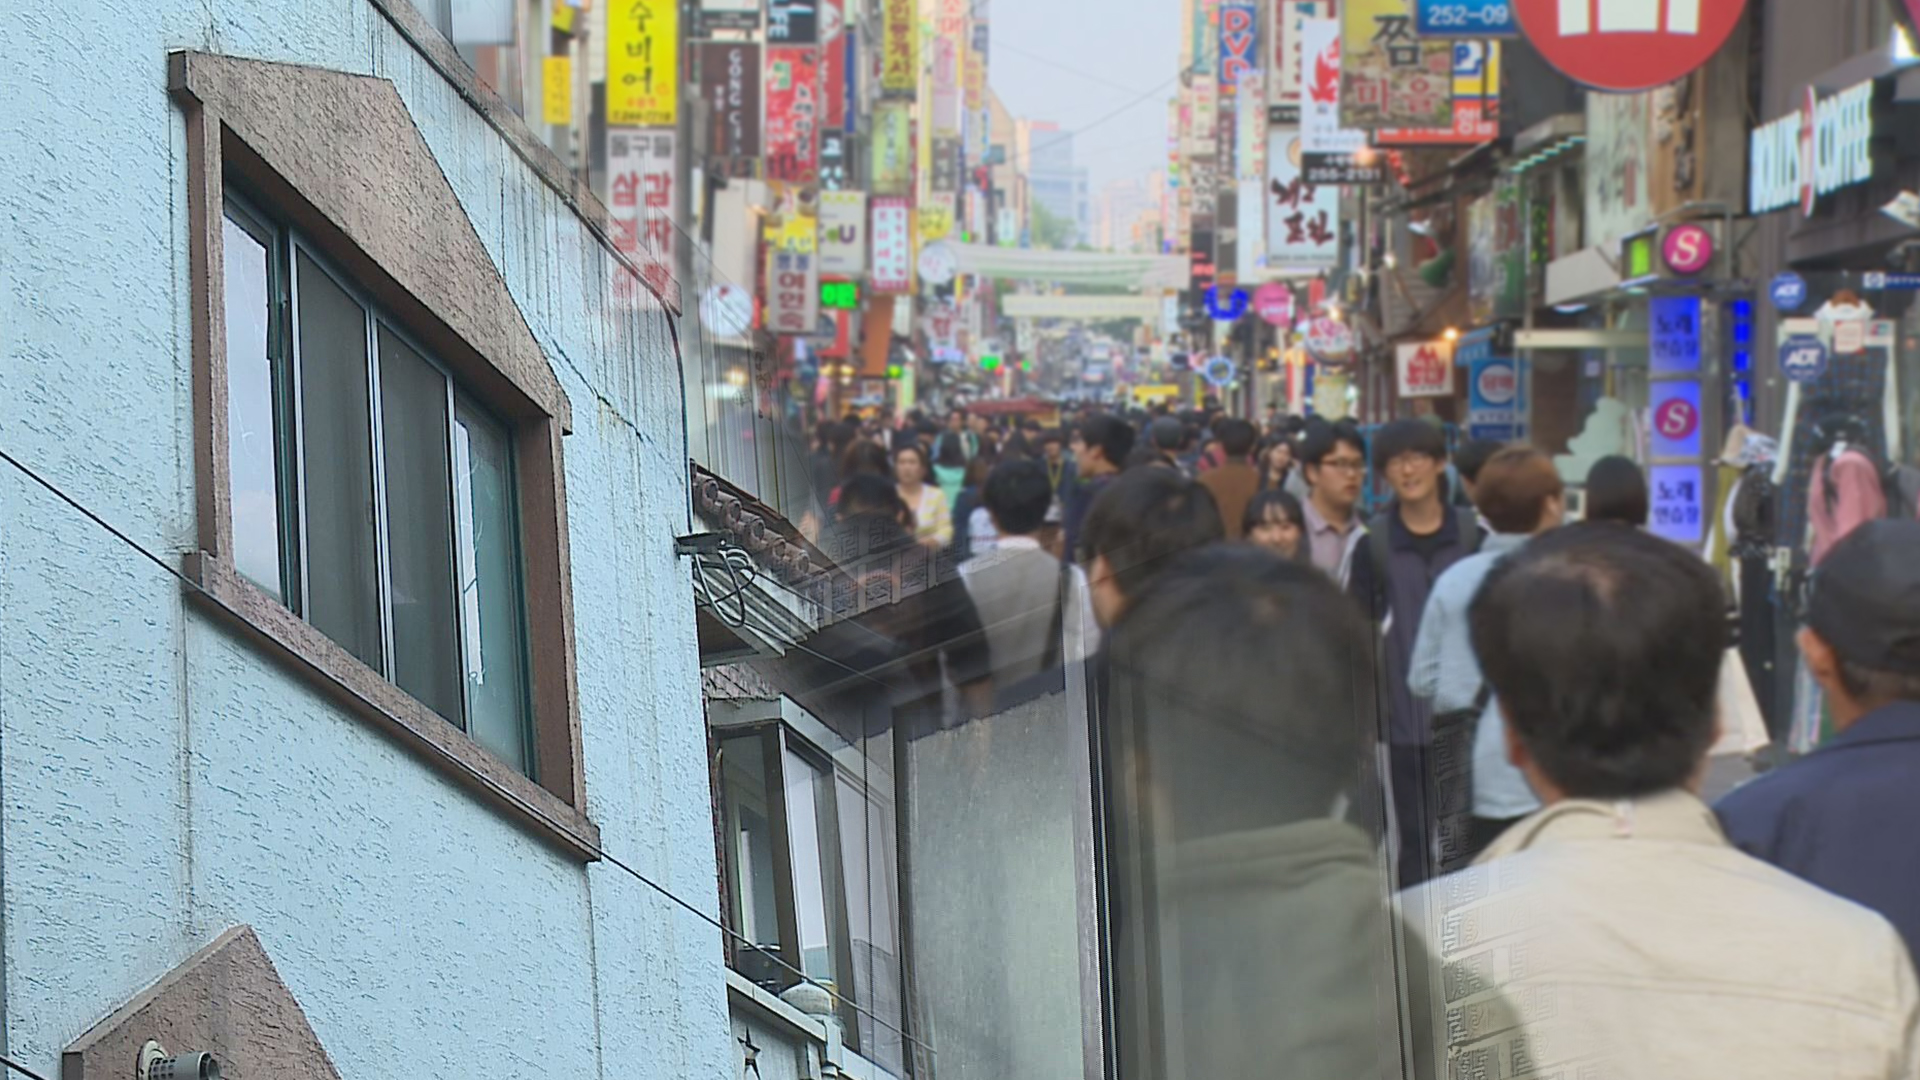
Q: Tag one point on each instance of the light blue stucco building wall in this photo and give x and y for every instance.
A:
(162, 779)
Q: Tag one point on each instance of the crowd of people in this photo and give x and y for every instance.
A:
(1495, 706)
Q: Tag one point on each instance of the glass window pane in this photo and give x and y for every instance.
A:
(750, 839)
(343, 582)
(252, 462)
(493, 629)
(426, 625)
(809, 831)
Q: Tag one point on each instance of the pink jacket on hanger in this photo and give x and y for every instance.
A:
(1858, 499)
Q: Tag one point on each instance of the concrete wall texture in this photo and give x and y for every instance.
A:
(160, 778)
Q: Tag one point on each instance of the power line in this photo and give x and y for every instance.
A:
(456, 763)
(21, 1069)
(1038, 58)
(1084, 128)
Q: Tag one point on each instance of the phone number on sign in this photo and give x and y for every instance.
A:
(1464, 16)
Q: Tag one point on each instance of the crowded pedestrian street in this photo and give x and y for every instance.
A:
(944, 540)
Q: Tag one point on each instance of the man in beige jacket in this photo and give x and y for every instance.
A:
(1630, 938)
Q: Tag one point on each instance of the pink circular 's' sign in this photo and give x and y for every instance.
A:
(1688, 249)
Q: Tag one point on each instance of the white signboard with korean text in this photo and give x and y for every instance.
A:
(892, 269)
(793, 292)
(843, 233)
(640, 174)
(1302, 221)
(1425, 369)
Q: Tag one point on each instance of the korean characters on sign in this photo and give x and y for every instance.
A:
(643, 62)
(640, 172)
(1425, 369)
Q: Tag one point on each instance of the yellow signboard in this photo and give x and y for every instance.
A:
(556, 89)
(1153, 395)
(899, 48)
(795, 233)
(936, 223)
(892, 149)
(643, 63)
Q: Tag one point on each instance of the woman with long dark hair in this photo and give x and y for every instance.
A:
(1617, 492)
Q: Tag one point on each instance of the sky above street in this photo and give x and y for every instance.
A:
(1079, 62)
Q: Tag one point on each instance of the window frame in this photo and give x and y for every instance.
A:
(248, 126)
(777, 737)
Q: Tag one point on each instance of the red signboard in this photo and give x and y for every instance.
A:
(793, 114)
(1628, 45)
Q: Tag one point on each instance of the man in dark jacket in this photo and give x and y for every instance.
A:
(1844, 817)
(1410, 544)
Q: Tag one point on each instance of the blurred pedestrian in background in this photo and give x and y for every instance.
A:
(932, 513)
(1234, 481)
(1617, 493)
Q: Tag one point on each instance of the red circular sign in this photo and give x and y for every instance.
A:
(1628, 45)
(1676, 418)
(1273, 302)
(1688, 249)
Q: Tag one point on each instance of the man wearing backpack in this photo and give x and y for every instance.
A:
(1409, 545)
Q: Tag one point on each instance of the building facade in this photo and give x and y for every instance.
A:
(349, 689)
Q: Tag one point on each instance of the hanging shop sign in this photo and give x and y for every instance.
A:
(1273, 302)
(1493, 399)
(1880, 281)
(792, 22)
(1627, 45)
(1389, 76)
(1283, 63)
(1476, 102)
(793, 292)
(730, 85)
(1425, 369)
(1464, 18)
(640, 172)
(1239, 43)
(1320, 129)
(843, 233)
(892, 231)
(1227, 308)
(892, 148)
(1219, 371)
(643, 63)
(899, 38)
(1330, 341)
(1673, 335)
(837, 51)
(1677, 510)
(727, 15)
(1676, 418)
(1803, 358)
(1302, 218)
(1788, 291)
(793, 114)
(1826, 146)
(945, 86)
(1687, 250)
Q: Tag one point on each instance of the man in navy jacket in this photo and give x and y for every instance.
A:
(1847, 816)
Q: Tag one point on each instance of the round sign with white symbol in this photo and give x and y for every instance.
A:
(1273, 302)
(1497, 384)
(1676, 418)
(1789, 291)
(1803, 358)
(1330, 341)
(1220, 370)
(1628, 45)
(727, 310)
(939, 263)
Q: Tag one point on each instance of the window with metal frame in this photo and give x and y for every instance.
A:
(810, 880)
(370, 495)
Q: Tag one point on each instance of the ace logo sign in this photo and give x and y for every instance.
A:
(1426, 369)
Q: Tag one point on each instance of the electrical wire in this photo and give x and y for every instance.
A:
(1048, 62)
(19, 1068)
(454, 762)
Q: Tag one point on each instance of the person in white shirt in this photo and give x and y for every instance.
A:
(1036, 609)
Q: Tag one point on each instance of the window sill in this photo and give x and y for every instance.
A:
(369, 696)
(791, 1023)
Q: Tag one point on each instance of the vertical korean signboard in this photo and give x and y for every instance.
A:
(892, 258)
(793, 115)
(792, 22)
(1303, 220)
(899, 36)
(640, 171)
(1389, 77)
(730, 84)
(643, 63)
(1283, 80)
(793, 292)
(843, 233)
(892, 148)
(1677, 478)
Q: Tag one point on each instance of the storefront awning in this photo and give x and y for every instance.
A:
(1047, 306)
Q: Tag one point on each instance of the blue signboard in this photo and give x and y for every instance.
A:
(1878, 282)
(1466, 18)
(1673, 335)
(1494, 401)
(1788, 292)
(1678, 503)
(1676, 418)
(1803, 358)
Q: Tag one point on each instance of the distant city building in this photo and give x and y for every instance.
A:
(1054, 181)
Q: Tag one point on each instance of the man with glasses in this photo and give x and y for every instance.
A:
(1409, 545)
(1333, 458)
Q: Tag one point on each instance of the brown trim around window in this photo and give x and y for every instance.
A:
(338, 158)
